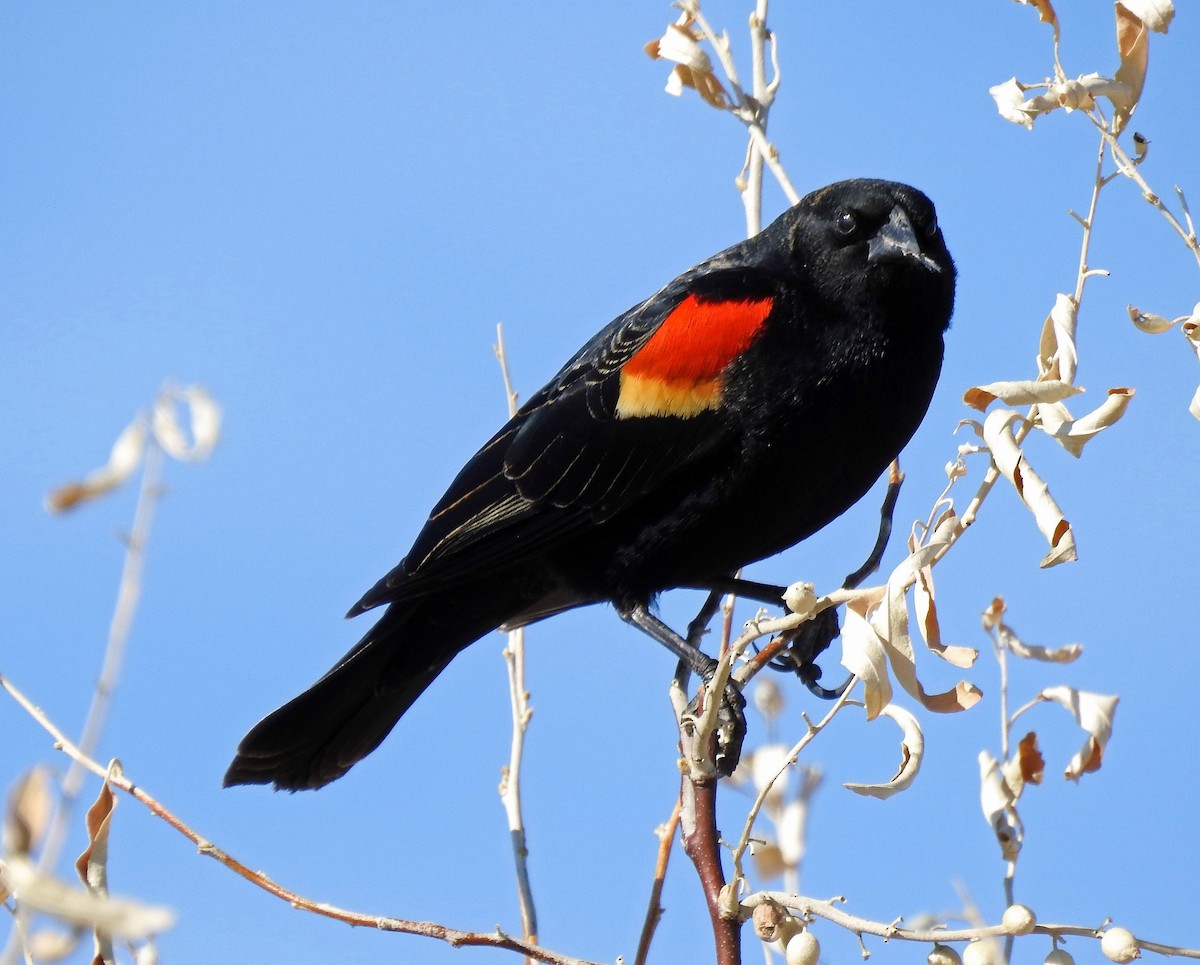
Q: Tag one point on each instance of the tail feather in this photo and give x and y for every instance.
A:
(318, 736)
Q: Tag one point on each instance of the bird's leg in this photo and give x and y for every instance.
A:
(761, 592)
(699, 626)
(730, 715)
(886, 512)
(811, 640)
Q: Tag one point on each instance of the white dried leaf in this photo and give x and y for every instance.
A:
(1153, 324)
(27, 814)
(1156, 14)
(912, 752)
(204, 418)
(925, 604)
(1064, 654)
(123, 460)
(48, 945)
(1011, 103)
(1058, 357)
(119, 917)
(863, 654)
(997, 801)
(891, 625)
(1011, 461)
(768, 768)
(1020, 392)
(1092, 712)
(1133, 45)
(790, 832)
(1072, 434)
(680, 44)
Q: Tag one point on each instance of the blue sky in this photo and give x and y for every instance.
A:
(321, 211)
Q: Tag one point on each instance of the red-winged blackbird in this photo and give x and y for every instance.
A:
(733, 413)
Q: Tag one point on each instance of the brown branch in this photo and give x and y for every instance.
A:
(701, 843)
(654, 911)
(452, 936)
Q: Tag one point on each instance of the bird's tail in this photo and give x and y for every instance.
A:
(318, 736)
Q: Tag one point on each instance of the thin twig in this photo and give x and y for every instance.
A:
(654, 910)
(510, 784)
(813, 730)
(892, 931)
(452, 936)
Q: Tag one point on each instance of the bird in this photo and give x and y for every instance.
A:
(739, 409)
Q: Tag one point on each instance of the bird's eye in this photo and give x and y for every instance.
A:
(845, 222)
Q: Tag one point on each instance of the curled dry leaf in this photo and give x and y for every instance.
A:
(1032, 764)
(119, 917)
(50, 945)
(769, 770)
(1011, 103)
(863, 654)
(204, 419)
(1133, 46)
(1073, 434)
(1094, 713)
(1022, 392)
(27, 813)
(891, 624)
(1153, 324)
(1011, 461)
(912, 752)
(92, 865)
(1058, 357)
(124, 458)
(1191, 331)
(1156, 14)
(680, 44)
(998, 803)
(1013, 643)
(1046, 13)
(925, 605)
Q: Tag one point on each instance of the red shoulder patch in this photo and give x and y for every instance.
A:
(698, 339)
(678, 371)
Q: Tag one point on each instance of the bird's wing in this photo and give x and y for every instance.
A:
(636, 405)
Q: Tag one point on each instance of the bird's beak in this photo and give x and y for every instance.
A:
(896, 240)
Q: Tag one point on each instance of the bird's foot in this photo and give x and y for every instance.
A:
(729, 729)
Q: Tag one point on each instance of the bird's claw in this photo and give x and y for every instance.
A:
(731, 722)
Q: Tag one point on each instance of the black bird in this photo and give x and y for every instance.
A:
(730, 415)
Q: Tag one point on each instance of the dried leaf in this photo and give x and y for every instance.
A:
(768, 859)
(927, 621)
(124, 458)
(1094, 713)
(1011, 461)
(1033, 765)
(912, 752)
(1046, 13)
(1150, 323)
(1156, 14)
(994, 614)
(119, 917)
(1133, 45)
(1026, 392)
(1063, 654)
(47, 945)
(769, 768)
(693, 68)
(27, 814)
(204, 419)
(1011, 103)
(791, 832)
(863, 654)
(1058, 357)
(1073, 434)
(997, 801)
(92, 865)
(891, 624)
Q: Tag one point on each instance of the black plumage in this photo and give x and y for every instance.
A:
(733, 413)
